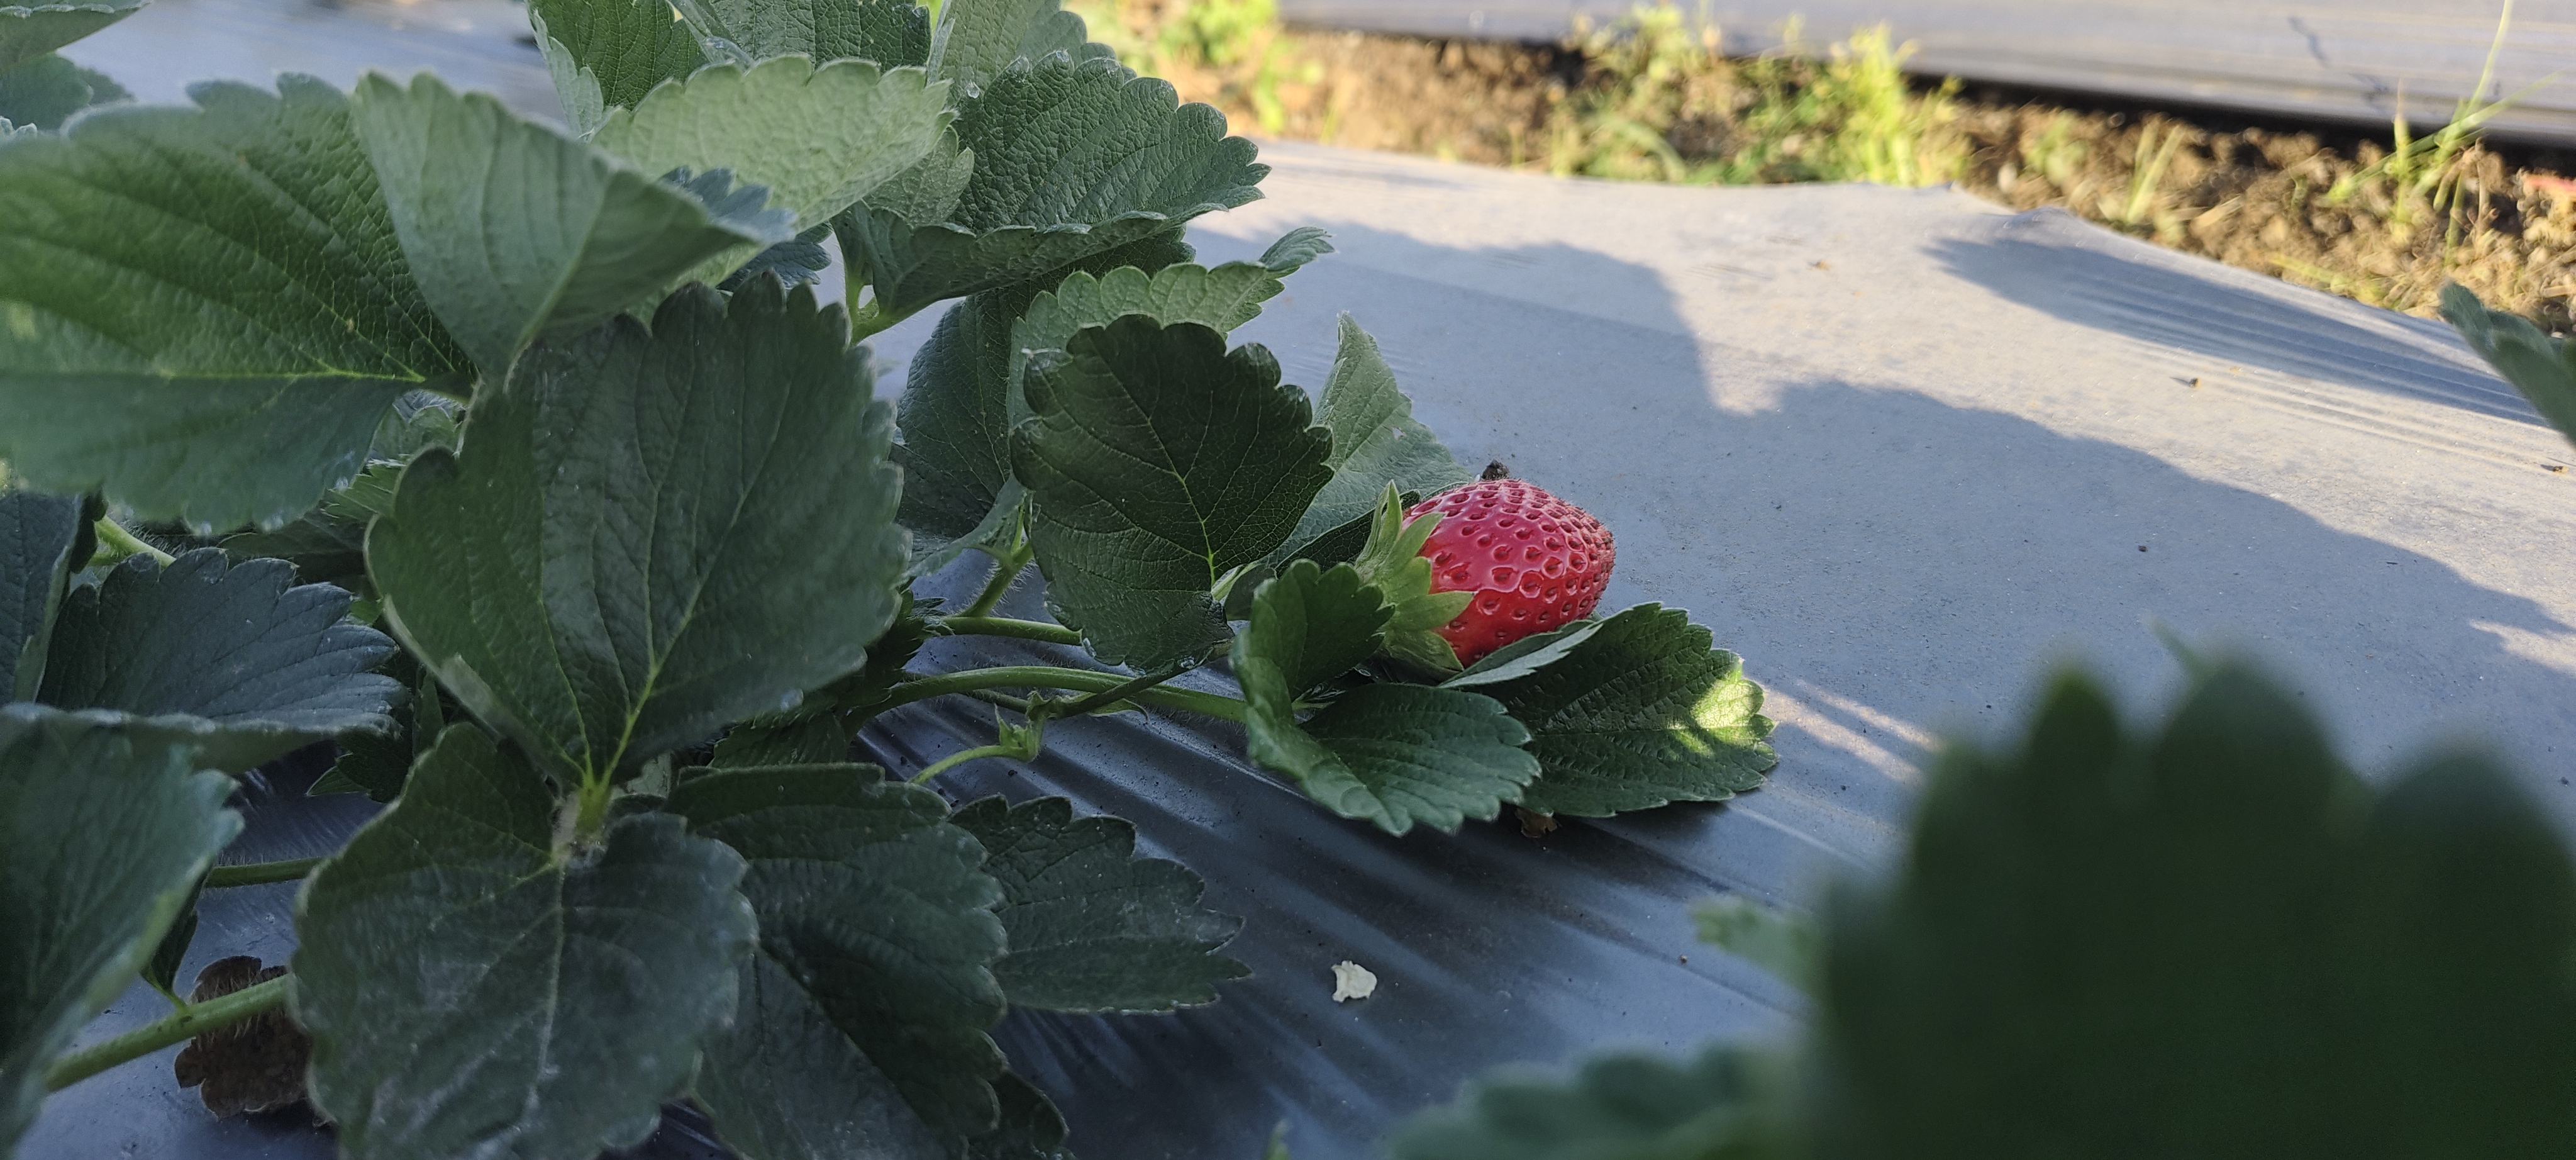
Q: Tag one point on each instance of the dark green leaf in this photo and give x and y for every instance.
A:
(1068, 160)
(977, 39)
(890, 32)
(328, 544)
(1525, 656)
(47, 90)
(162, 969)
(1031, 1128)
(513, 229)
(471, 989)
(44, 539)
(863, 691)
(1392, 754)
(866, 1003)
(377, 764)
(1309, 626)
(31, 30)
(1094, 928)
(2209, 942)
(2541, 367)
(207, 309)
(1642, 711)
(796, 261)
(606, 54)
(1157, 463)
(819, 740)
(1720, 1106)
(1376, 442)
(648, 536)
(226, 657)
(104, 835)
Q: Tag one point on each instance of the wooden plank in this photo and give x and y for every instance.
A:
(2353, 61)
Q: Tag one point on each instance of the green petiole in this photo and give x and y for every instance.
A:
(1072, 680)
(260, 873)
(177, 1027)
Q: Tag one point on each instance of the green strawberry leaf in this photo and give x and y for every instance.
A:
(513, 229)
(796, 261)
(1392, 754)
(1722, 1105)
(258, 320)
(2208, 938)
(818, 138)
(1309, 625)
(2541, 367)
(471, 989)
(865, 1003)
(594, 578)
(1068, 160)
(377, 764)
(1377, 444)
(161, 968)
(30, 31)
(45, 91)
(1525, 656)
(1391, 560)
(1641, 712)
(977, 39)
(605, 54)
(1158, 462)
(819, 740)
(328, 544)
(102, 835)
(226, 657)
(1030, 1129)
(44, 541)
(893, 33)
(1094, 928)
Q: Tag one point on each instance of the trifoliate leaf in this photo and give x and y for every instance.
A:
(819, 138)
(226, 657)
(102, 834)
(607, 54)
(513, 229)
(261, 321)
(45, 91)
(892, 33)
(44, 540)
(865, 1004)
(977, 39)
(1310, 625)
(1377, 443)
(1642, 712)
(1093, 928)
(2541, 367)
(1069, 159)
(2211, 939)
(650, 535)
(1720, 1106)
(1157, 463)
(32, 30)
(472, 990)
(1392, 754)
(1391, 560)
(1031, 1128)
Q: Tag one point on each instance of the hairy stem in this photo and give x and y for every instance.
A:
(115, 543)
(959, 758)
(258, 873)
(1036, 630)
(1105, 698)
(1005, 570)
(179, 1026)
(1051, 677)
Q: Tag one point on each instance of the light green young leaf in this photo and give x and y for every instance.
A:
(513, 229)
(1391, 560)
(2541, 367)
(1392, 754)
(233, 659)
(607, 54)
(1094, 928)
(1158, 462)
(1068, 160)
(257, 321)
(29, 31)
(865, 1003)
(472, 991)
(44, 539)
(1724, 1105)
(2211, 937)
(45, 91)
(1310, 625)
(893, 33)
(977, 39)
(126, 823)
(648, 536)
(1030, 1129)
(1377, 443)
(1641, 712)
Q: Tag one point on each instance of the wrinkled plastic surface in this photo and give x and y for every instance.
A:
(1899, 448)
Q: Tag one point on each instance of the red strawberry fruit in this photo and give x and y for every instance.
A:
(1535, 562)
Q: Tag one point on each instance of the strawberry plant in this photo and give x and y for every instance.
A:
(523, 464)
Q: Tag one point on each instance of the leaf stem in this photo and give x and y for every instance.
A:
(1005, 570)
(260, 873)
(115, 543)
(961, 757)
(179, 1026)
(1017, 629)
(1107, 697)
(1051, 677)
(867, 321)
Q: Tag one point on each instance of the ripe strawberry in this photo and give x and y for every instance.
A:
(1534, 562)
